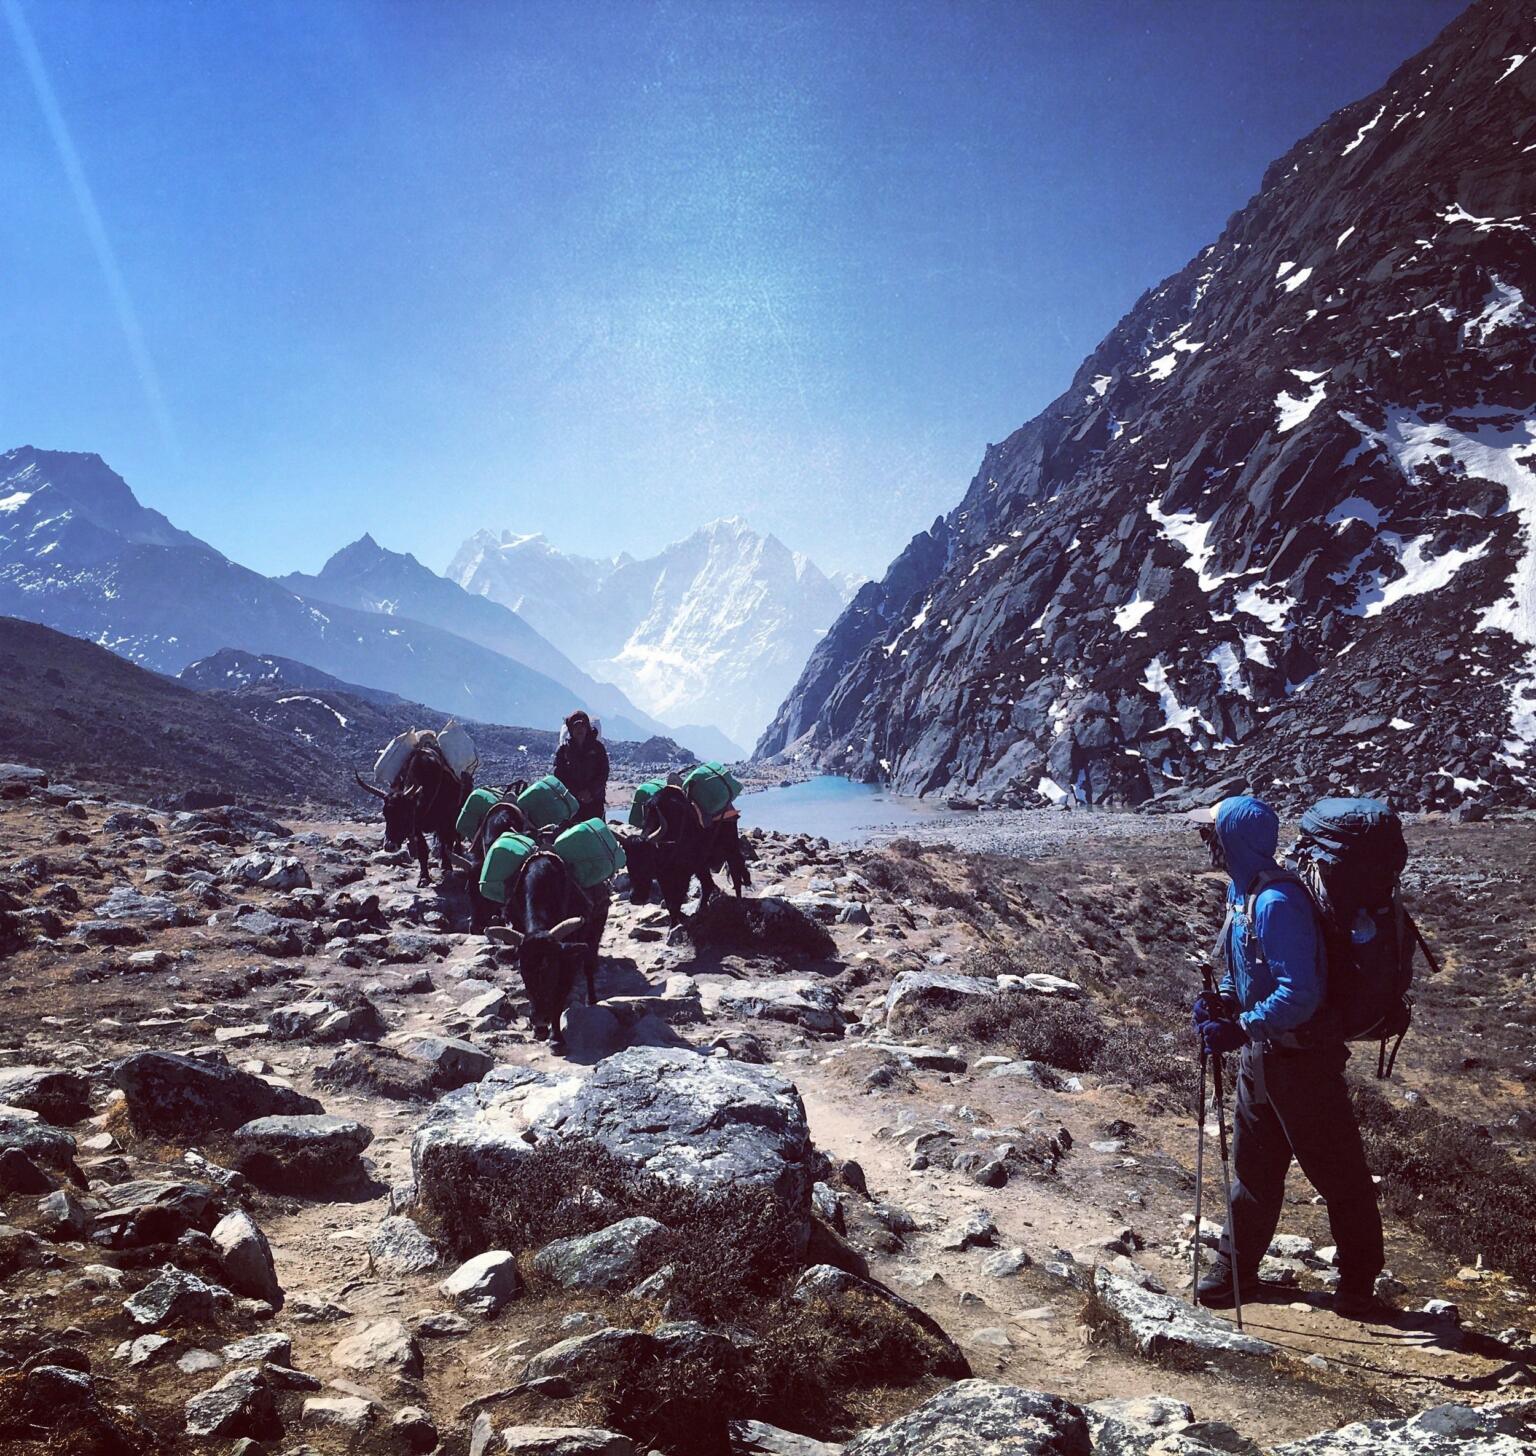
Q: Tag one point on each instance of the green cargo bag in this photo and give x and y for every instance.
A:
(476, 807)
(644, 793)
(503, 860)
(547, 801)
(592, 852)
(712, 787)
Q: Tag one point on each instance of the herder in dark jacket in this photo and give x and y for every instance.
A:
(581, 764)
(1292, 1100)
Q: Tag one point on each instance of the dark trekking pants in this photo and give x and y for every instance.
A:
(1295, 1104)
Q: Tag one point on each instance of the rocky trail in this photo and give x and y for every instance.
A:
(282, 1170)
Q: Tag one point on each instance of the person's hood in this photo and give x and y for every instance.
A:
(1249, 832)
(597, 730)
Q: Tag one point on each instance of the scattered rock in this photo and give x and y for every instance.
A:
(611, 1259)
(400, 1247)
(1496, 1428)
(246, 1258)
(301, 1152)
(1163, 1328)
(484, 1283)
(384, 1345)
(800, 1001)
(240, 1404)
(176, 1297)
(56, 1095)
(914, 991)
(351, 1413)
(565, 1441)
(978, 1418)
(762, 925)
(169, 1094)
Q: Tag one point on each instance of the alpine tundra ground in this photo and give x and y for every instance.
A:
(996, 1072)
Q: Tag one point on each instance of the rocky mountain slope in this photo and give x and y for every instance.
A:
(283, 1169)
(85, 714)
(368, 578)
(234, 728)
(1279, 528)
(79, 553)
(710, 631)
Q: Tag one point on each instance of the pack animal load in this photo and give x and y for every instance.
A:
(503, 861)
(644, 793)
(591, 852)
(459, 749)
(476, 807)
(711, 788)
(547, 802)
(455, 745)
(1350, 855)
(386, 768)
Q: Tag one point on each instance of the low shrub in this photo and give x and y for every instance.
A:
(1451, 1181)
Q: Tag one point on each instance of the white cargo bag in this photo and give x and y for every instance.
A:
(459, 749)
(392, 760)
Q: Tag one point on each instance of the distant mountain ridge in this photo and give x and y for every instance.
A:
(712, 629)
(1280, 530)
(369, 578)
(79, 553)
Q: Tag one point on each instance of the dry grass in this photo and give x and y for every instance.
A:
(1450, 1180)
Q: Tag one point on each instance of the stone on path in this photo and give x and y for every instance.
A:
(484, 1283)
(246, 1258)
(170, 1094)
(838, 1289)
(315, 1150)
(238, 1405)
(400, 1247)
(1161, 1327)
(564, 1441)
(385, 1344)
(978, 1418)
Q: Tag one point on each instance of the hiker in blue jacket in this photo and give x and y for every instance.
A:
(1292, 1099)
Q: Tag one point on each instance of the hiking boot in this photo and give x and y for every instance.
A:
(1359, 1302)
(1217, 1289)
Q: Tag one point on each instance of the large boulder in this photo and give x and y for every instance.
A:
(301, 1152)
(978, 1418)
(169, 1094)
(246, 1257)
(764, 925)
(54, 1093)
(42, 1145)
(1500, 1427)
(704, 1125)
(917, 991)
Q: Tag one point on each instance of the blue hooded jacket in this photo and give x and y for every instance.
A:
(1283, 988)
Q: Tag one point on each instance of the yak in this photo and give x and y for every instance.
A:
(503, 817)
(424, 799)
(675, 846)
(556, 928)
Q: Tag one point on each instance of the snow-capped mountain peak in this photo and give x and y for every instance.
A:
(711, 629)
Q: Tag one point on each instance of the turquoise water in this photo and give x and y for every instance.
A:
(834, 807)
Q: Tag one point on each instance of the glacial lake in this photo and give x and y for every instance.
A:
(837, 808)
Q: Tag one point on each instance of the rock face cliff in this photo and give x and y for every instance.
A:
(1279, 528)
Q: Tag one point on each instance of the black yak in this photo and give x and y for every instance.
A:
(675, 846)
(424, 799)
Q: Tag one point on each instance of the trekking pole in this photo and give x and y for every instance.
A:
(1226, 1188)
(1194, 1288)
(1226, 1177)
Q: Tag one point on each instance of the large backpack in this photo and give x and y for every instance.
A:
(1350, 855)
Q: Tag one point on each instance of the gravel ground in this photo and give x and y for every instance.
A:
(1030, 833)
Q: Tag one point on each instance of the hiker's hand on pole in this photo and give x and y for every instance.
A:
(1210, 1006)
(1221, 1035)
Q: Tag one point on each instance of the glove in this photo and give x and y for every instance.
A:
(1212, 1006)
(1221, 1036)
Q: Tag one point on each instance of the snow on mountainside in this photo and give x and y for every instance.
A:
(1279, 530)
(710, 630)
(80, 554)
(370, 579)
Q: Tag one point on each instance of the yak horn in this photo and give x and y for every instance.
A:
(363, 783)
(565, 928)
(504, 935)
(463, 864)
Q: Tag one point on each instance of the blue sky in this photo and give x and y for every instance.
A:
(608, 270)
